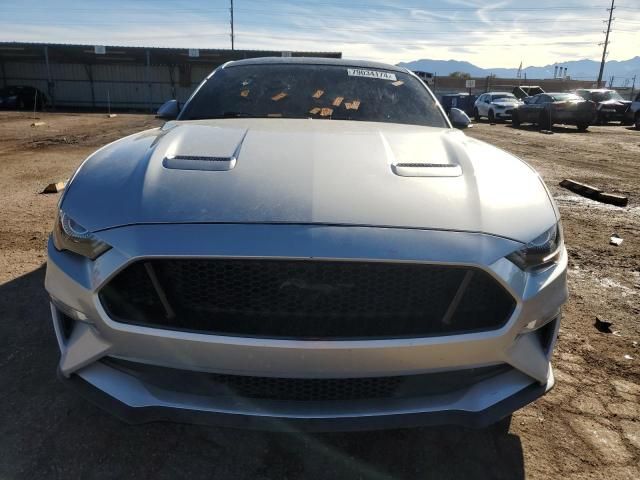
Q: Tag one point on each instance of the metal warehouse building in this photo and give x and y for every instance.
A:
(95, 76)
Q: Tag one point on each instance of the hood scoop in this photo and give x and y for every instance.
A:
(203, 148)
(197, 162)
(438, 158)
(427, 169)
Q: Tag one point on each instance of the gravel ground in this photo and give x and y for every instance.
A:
(587, 427)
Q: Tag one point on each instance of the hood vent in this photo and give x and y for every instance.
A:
(198, 140)
(197, 162)
(427, 169)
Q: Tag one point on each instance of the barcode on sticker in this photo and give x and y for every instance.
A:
(325, 112)
(337, 101)
(279, 96)
(314, 111)
(379, 74)
(318, 93)
(244, 93)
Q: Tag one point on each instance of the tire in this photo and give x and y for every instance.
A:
(476, 115)
(515, 120)
(491, 117)
(544, 122)
(582, 126)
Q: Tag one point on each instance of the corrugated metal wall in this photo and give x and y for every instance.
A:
(121, 86)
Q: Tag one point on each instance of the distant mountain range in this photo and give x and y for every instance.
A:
(579, 69)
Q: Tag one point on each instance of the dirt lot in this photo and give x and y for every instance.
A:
(587, 427)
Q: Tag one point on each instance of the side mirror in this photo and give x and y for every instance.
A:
(458, 118)
(169, 110)
(526, 100)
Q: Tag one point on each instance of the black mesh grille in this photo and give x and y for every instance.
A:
(306, 389)
(307, 299)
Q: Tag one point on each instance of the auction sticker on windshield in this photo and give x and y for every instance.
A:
(381, 75)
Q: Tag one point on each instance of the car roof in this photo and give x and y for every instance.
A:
(499, 93)
(595, 90)
(314, 61)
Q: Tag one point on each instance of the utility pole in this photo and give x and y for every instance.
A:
(231, 10)
(606, 41)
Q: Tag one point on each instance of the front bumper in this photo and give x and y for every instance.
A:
(73, 283)
(398, 416)
(504, 114)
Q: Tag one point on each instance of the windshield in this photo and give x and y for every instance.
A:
(327, 92)
(503, 97)
(604, 96)
(565, 97)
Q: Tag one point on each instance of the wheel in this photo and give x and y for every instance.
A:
(476, 115)
(515, 120)
(582, 126)
(544, 122)
(492, 117)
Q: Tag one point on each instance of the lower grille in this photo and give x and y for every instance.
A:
(305, 389)
(306, 299)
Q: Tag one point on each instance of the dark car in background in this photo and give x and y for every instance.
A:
(610, 106)
(22, 98)
(547, 109)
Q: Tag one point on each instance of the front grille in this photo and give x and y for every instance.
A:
(305, 389)
(306, 299)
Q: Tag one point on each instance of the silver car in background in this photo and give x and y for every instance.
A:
(309, 245)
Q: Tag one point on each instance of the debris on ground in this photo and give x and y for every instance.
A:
(38, 124)
(603, 326)
(112, 115)
(615, 240)
(594, 193)
(55, 187)
(547, 132)
(628, 357)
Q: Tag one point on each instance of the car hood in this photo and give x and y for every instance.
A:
(309, 172)
(506, 103)
(614, 103)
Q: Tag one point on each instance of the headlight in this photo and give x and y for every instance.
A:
(70, 235)
(542, 252)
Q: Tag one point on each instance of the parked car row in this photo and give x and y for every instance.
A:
(581, 108)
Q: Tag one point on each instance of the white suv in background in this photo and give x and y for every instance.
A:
(495, 106)
(633, 113)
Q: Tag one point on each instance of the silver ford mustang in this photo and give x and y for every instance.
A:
(311, 245)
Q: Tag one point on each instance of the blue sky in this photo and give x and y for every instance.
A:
(485, 32)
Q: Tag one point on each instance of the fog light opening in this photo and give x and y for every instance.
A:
(75, 315)
(67, 325)
(544, 330)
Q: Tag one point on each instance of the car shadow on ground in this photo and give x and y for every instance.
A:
(49, 432)
(558, 128)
